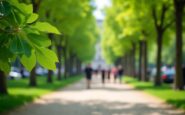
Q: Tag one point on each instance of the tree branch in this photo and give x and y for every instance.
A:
(168, 24)
(164, 9)
(155, 17)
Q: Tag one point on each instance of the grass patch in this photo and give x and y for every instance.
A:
(165, 92)
(20, 93)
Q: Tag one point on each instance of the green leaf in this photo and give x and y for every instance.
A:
(19, 46)
(5, 54)
(19, 18)
(5, 66)
(5, 9)
(23, 8)
(32, 18)
(4, 39)
(39, 40)
(29, 62)
(46, 58)
(46, 27)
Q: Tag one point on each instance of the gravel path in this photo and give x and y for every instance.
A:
(110, 99)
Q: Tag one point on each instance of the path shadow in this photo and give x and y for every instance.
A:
(58, 107)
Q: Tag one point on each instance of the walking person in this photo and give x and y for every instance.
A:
(114, 73)
(103, 76)
(88, 75)
(108, 74)
(120, 73)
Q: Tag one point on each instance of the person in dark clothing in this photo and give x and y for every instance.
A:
(115, 73)
(120, 73)
(88, 75)
(108, 74)
(103, 76)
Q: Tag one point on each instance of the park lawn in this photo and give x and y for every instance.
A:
(20, 93)
(165, 92)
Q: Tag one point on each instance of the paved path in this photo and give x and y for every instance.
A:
(111, 99)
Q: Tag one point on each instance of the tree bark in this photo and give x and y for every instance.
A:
(33, 81)
(133, 60)
(179, 6)
(158, 80)
(65, 63)
(3, 83)
(140, 60)
(59, 52)
(70, 64)
(144, 62)
(79, 67)
(160, 27)
(49, 77)
(36, 5)
(50, 72)
(127, 64)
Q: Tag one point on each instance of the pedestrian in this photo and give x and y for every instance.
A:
(103, 76)
(108, 74)
(88, 75)
(120, 73)
(114, 73)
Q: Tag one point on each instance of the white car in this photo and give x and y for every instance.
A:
(14, 75)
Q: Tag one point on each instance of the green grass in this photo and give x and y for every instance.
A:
(165, 92)
(20, 93)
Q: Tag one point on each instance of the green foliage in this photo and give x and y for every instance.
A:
(46, 58)
(21, 36)
(75, 19)
(45, 27)
(129, 21)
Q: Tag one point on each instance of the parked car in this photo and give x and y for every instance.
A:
(168, 75)
(41, 71)
(14, 73)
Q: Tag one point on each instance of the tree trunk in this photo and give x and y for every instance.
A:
(3, 83)
(127, 64)
(59, 52)
(70, 64)
(33, 81)
(50, 72)
(49, 77)
(36, 5)
(144, 61)
(133, 61)
(65, 64)
(140, 60)
(79, 67)
(179, 5)
(158, 80)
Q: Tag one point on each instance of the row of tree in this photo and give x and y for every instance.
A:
(139, 29)
(24, 36)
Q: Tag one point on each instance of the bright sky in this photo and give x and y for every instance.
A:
(100, 4)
